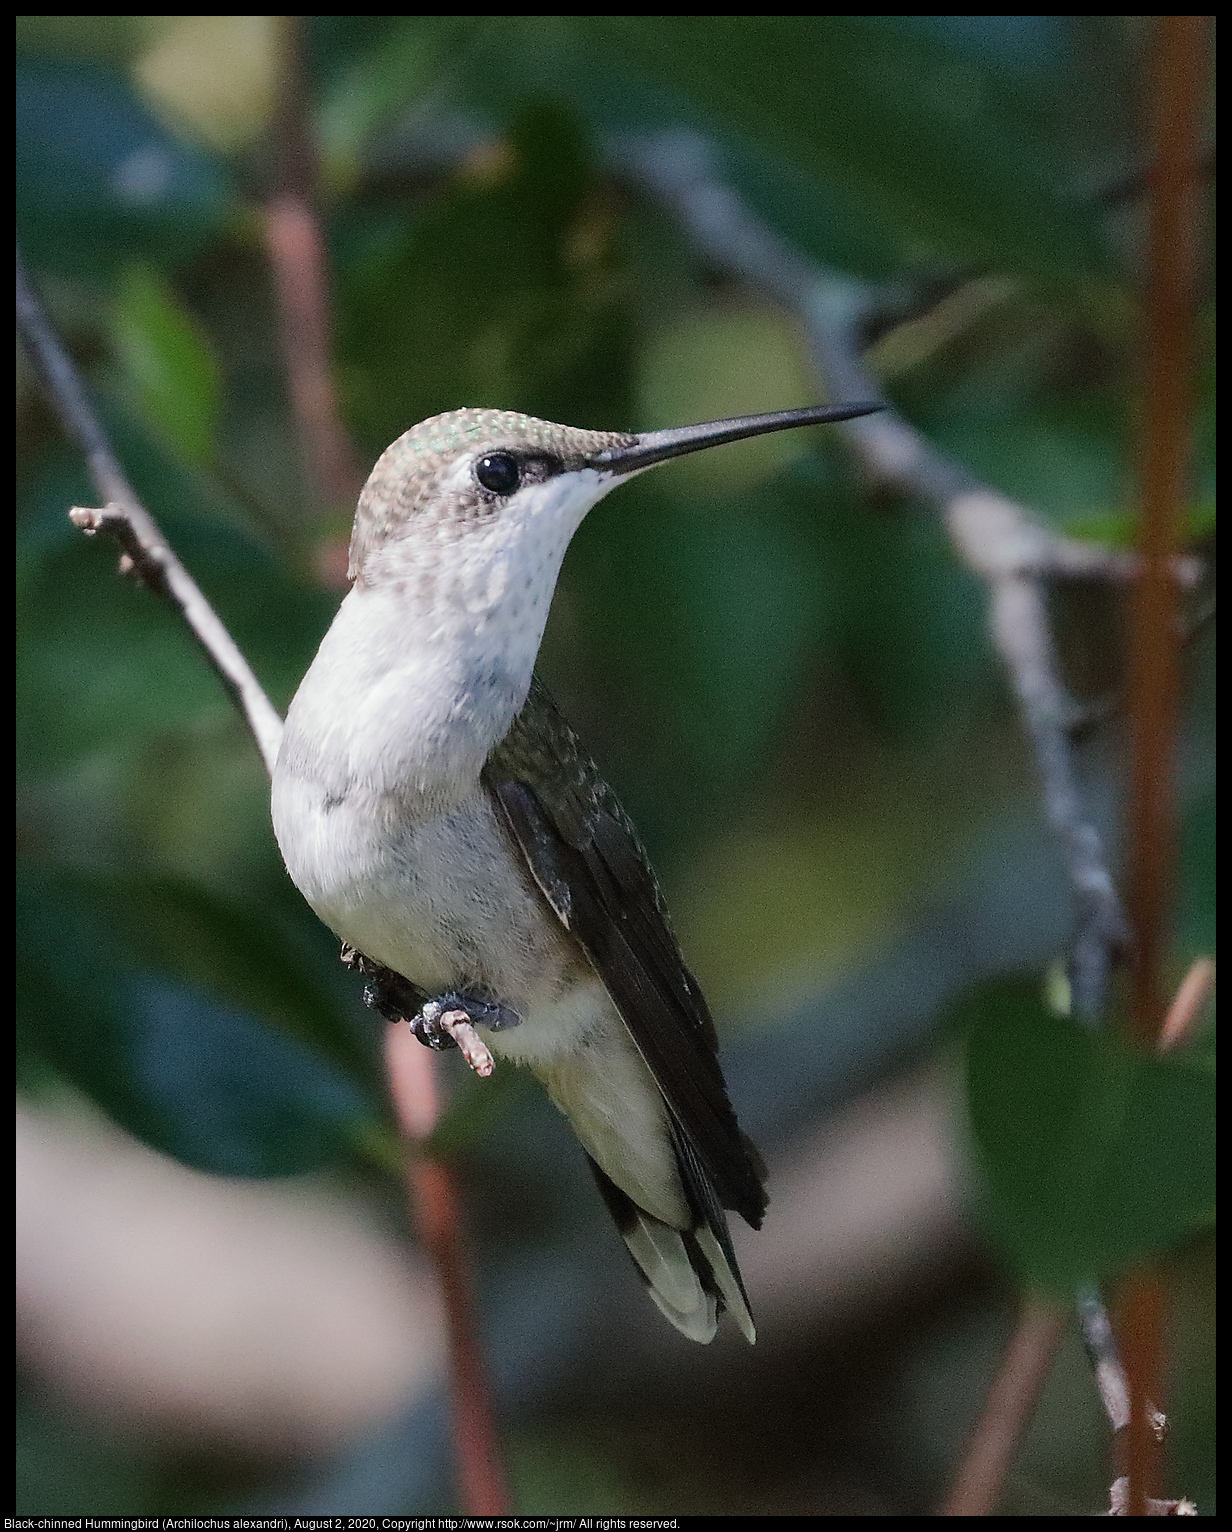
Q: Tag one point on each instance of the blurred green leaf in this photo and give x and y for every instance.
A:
(188, 1074)
(506, 293)
(383, 79)
(167, 361)
(1119, 529)
(938, 143)
(243, 955)
(99, 178)
(1095, 1154)
(1060, 458)
(1197, 901)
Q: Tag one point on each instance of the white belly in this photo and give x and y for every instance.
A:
(448, 903)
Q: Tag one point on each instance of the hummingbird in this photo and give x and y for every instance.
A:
(440, 816)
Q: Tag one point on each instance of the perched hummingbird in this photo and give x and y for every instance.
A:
(439, 814)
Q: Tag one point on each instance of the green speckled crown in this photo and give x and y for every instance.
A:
(404, 478)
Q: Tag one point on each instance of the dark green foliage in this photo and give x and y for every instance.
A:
(512, 293)
(1096, 1155)
(1197, 901)
(788, 682)
(99, 178)
(110, 994)
(942, 146)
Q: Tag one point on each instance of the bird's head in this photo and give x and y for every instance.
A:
(476, 487)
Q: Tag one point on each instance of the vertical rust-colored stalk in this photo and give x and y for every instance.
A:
(436, 1209)
(1167, 429)
(1176, 90)
(300, 267)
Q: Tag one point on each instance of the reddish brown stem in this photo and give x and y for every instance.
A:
(481, 1479)
(1178, 70)
(1186, 1008)
(299, 263)
(1167, 431)
(1007, 1410)
(436, 1209)
(1143, 1311)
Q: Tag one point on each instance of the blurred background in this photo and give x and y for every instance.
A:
(787, 679)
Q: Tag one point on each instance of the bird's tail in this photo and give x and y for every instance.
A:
(691, 1277)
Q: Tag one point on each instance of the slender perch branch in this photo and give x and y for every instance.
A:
(146, 554)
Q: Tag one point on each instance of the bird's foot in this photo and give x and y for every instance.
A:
(446, 1022)
(449, 1021)
(386, 992)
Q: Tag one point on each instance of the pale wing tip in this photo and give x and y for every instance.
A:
(679, 1288)
(699, 1324)
(728, 1283)
(675, 1286)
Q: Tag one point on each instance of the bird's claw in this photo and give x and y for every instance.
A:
(449, 1022)
(446, 1022)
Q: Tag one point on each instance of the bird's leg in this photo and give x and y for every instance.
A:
(445, 1022)
(449, 1020)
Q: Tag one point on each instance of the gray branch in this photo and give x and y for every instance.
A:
(146, 554)
(999, 540)
(996, 538)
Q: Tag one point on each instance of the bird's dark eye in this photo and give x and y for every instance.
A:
(498, 472)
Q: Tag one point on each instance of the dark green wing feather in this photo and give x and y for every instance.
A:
(586, 858)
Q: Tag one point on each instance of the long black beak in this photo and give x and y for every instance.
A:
(657, 446)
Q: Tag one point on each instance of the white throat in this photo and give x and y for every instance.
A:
(430, 657)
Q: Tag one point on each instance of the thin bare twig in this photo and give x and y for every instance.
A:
(1007, 1410)
(146, 555)
(1100, 1345)
(1186, 1008)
